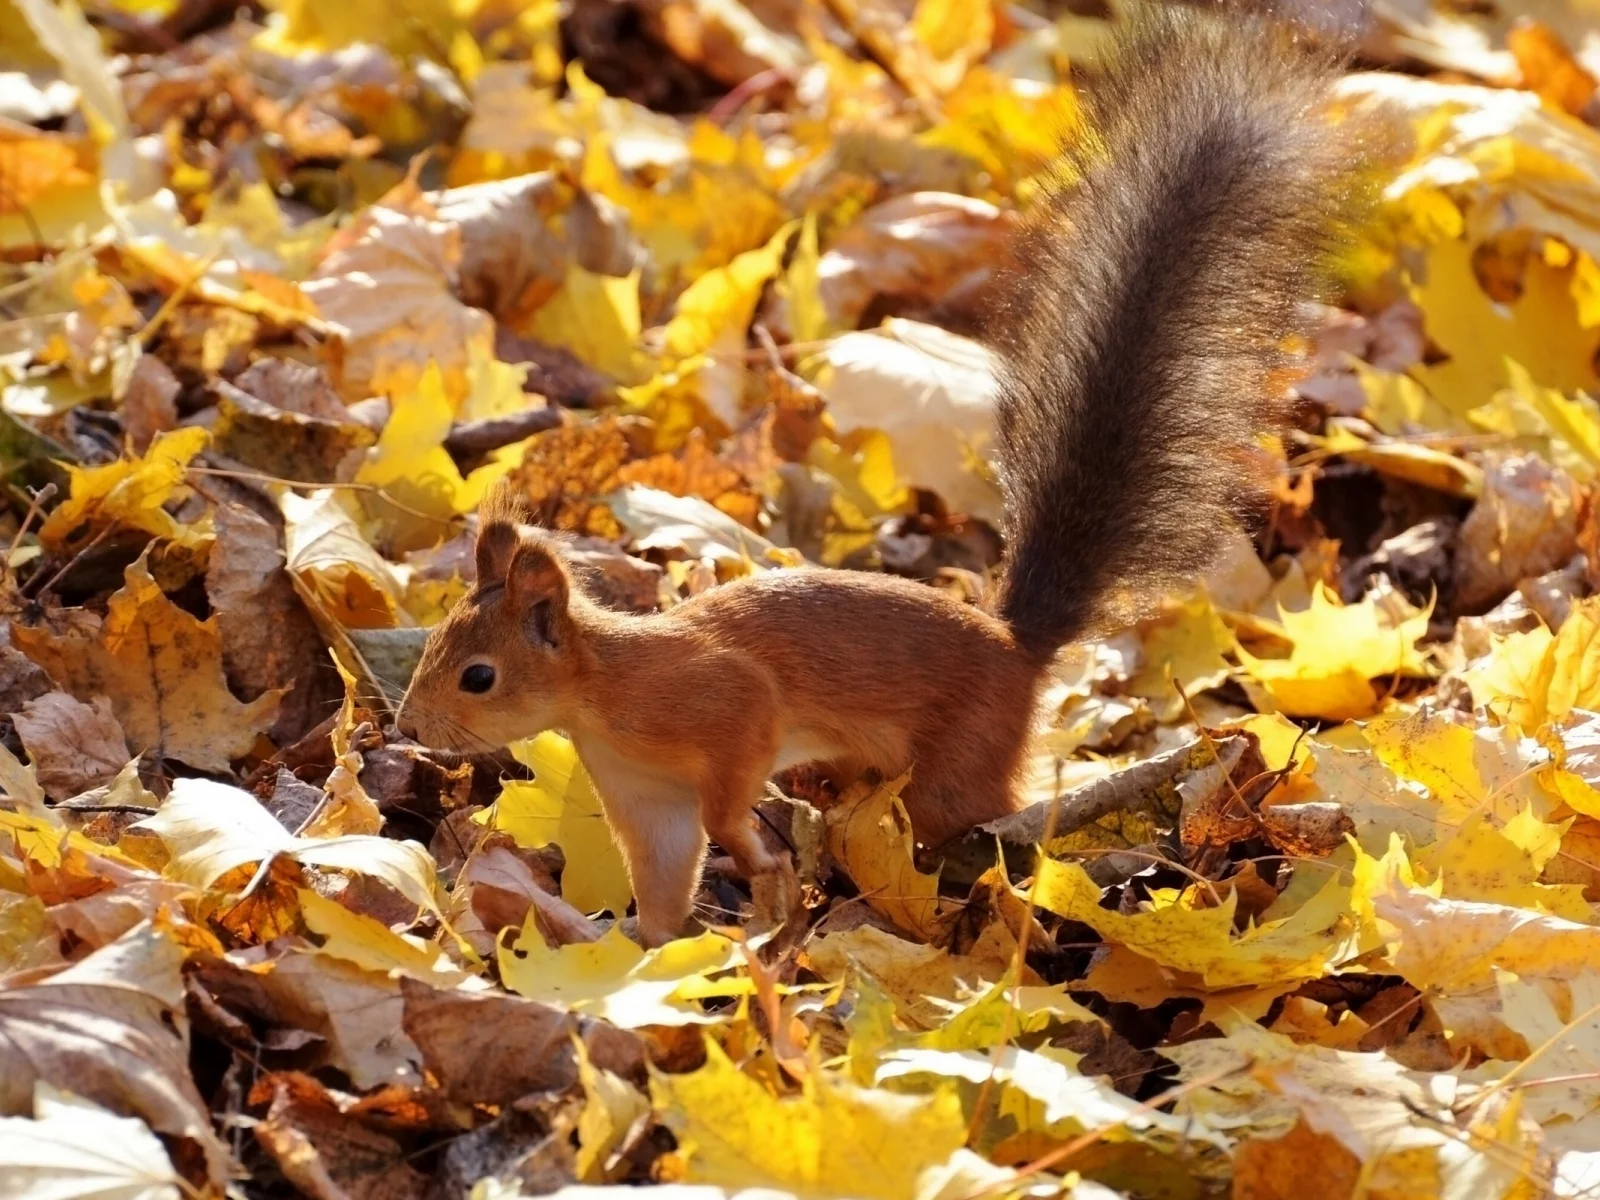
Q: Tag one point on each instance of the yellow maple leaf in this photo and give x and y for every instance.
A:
(597, 318)
(869, 835)
(1465, 769)
(712, 319)
(834, 1138)
(421, 488)
(1502, 866)
(701, 216)
(1186, 646)
(1535, 678)
(1177, 933)
(161, 669)
(1541, 419)
(373, 946)
(1338, 649)
(130, 492)
(560, 805)
(1541, 327)
(613, 978)
(922, 980)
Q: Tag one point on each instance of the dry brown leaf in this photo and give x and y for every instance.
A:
(162, 670)
(73, 746)
(293, 387)
(1524, 524)
(923, 249)
(518, 236)
(389, 290)
(355, 1013)
(501, 888)
(149, 405)
(268, 640)
(287, 445)
(330, 1155)
(491, 1048)
(110, 1028)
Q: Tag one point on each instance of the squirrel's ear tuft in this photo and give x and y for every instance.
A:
(497, 542)
(500, 515)
(537, 587)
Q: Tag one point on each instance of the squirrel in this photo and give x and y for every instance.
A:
(1142, 348)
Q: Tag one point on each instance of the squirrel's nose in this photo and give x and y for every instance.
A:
(406, 726)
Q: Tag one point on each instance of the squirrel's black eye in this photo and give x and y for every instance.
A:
(478, 678)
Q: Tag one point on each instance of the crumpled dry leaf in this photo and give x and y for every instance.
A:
(111, 1028)
(129, 492)
(495, 1048)
(659, 520)
(388, 290)
(211, 830)
(932, 393)
(73, 746)
(161, 669)
(268, 640)
(327, 1154)
(73, 1150)
(1525, 523)
(928, 248)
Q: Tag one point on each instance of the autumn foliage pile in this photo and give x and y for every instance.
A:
(1304, 901)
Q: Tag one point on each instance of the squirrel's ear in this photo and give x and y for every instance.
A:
(536, 586)
(497, 542)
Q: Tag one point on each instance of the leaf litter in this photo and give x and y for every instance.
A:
(1304, 902)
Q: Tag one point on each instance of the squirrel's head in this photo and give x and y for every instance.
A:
(502, 663)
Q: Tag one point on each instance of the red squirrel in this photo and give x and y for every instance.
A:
(1141, 341)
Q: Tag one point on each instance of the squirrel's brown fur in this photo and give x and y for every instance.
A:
(1146, 324)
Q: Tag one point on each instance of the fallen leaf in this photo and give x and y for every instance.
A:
(73, 1150)
(492, 1048)
(932, 393)
(868, 1142)
(613, 978)
(111, 1028)
(1525, 523)
(211, 830)
(161, 669)
(1177, 933)
(560, 806)
(869, 836)
(129, 492)
(1337, 651)
(73, 746)
(388, 290)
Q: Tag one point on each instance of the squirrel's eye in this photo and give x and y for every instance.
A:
(478, 678)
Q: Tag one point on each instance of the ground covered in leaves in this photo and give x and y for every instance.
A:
(1304, 904)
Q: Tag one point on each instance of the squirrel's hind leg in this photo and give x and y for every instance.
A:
(727, 804)
(958, 783)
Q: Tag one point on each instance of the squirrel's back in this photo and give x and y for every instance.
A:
(1151, 307)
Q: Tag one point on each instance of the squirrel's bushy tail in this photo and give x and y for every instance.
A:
(1150, 312)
